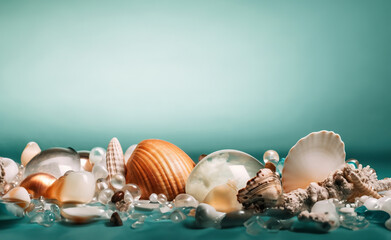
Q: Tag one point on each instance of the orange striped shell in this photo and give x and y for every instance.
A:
(157, 166)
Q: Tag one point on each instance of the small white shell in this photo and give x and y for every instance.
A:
(115, 158)
(11, 169)
(312, 159)
(30, 151)
(82, 214)
(18, 195)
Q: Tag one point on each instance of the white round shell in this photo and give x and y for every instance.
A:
(312, 159)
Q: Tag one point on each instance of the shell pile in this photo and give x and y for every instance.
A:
(262, 191)
(312, 159)
(115, 158)
(157, 166)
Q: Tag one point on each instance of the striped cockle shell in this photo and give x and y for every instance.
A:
(115, 158)
(157, 166)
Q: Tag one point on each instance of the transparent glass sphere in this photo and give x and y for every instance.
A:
(97, 154)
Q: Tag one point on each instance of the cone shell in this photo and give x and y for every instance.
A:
(19, 195)
(37, 184)
(115, 158)
(157, 166)
(312, 159)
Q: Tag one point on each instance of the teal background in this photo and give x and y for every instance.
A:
(205, 75)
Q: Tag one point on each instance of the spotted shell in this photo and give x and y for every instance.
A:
(115, 158)
(312, 159)
(157, 166)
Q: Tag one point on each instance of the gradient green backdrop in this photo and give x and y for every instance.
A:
(205, 75)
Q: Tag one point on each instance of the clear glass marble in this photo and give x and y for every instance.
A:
(118, 181)
(177, 216)
(221, 167)
(99, 171)
(105, 196)
(134, 190)
(185, 200)
(153, 198)
(161, 198)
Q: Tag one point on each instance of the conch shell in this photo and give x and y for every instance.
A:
(312, 159)
(37, 184)
(262, 191)
(223, 197)
(157, 166)
(115, 158)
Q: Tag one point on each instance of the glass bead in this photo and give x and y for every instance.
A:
(137, 224)
(372, 204)
(97, 154)
(128, 198)
(153, 197)
(161, 198)
(350, 220)
(56, 211)
(134, 190)
(99, 172)
(118, 181)
(254, 226)
(271, 156)
(185, 200)
(353, 162)
(105, 196)
(177, 216)
(101, 184)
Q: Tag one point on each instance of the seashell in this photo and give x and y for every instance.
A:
(54, 161)
(82, 214)
(223, 197)
(37, 184)
(31, 150)
(115, 158)
(360, 188)
(85, 163)
(312, 159)
(218, 168)
(264, 190)
(157, 166)
(10, 168)
(75, 187)
(19, 195)
(129, 152)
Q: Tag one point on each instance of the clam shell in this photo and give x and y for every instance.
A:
(157, 166)
(18, 195)
(312, 159)
(115, 158)
(31, 150)
(37, 184)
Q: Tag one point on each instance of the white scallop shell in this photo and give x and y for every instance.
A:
(312, 159)
(18, 195)
(82, 214)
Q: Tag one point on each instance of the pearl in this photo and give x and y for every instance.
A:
(153, 197)
(271, 156)
(97, 154)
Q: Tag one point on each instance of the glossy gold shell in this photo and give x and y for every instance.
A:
(157, 166)
(37, 184)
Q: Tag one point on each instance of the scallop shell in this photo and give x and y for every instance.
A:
(19, 195)
(115, 158)
(312, 159)
(263, 191)
(157, 166)
(31, 150)
(37, 184)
